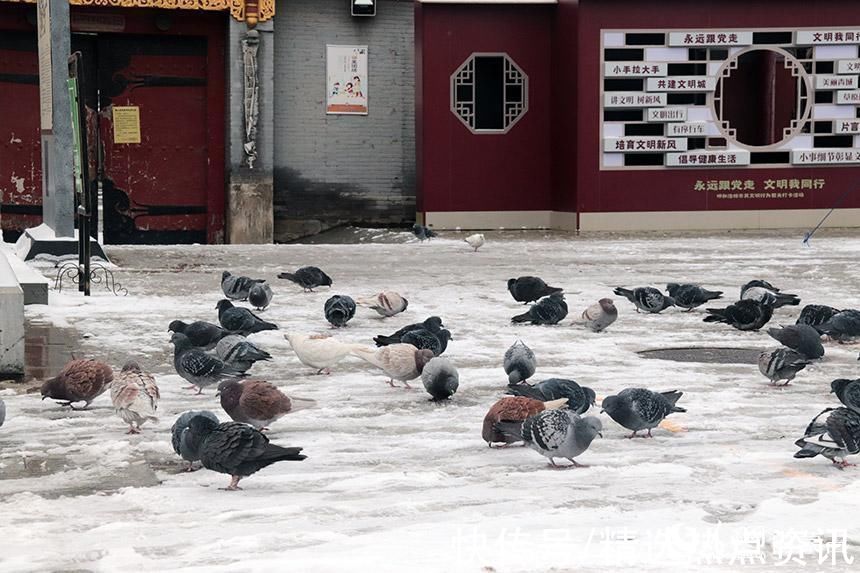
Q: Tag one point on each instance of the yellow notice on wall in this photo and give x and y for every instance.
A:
(126, 124)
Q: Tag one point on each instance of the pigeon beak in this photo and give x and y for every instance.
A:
(600, 434)
(602, 410)
(218, 393)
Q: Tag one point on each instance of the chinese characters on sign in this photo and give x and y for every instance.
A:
(830, 82)
(644, 144)
(696, 129)
(666, 114)
(708, 159)
(346, 73)
(824, 156)
(633, 99)
(762, 189)
(634, 69)
(710, 38)
(848, 96)
(846, 126)
(126, 124)
(813, 37)
(847, 66)
(682, 84)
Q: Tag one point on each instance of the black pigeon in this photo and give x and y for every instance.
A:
(834, 434)
(436, 342)
(260, 296)
(240, 320)
(579, 398)
(198, 367)
(180, 438)
(308, 278)
(816, 314)
(236, 449)
(848, 392)
(843, 326)
(529, 289)
(201, 334)
(647, 299)
(548, 310)
(743, 315)
(433, 324)
(690, 296)
(766, 293)
(440, 379)
(800, 337)
(237, 288)
(339, 309)
(641, 409)
(423, 233)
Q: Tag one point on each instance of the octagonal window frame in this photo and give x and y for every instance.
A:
(467, 78)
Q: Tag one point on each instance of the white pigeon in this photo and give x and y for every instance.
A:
(319, 351)
(134, 395)
(387, 303)
(475, 241)
(401, 362)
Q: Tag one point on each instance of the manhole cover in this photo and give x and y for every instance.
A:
(707, 355)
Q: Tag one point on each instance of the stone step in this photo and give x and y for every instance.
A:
(11, 321)
(32, 282)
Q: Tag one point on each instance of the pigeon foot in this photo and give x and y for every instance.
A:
(234, 484)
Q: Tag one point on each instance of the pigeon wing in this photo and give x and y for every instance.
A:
(547, 430)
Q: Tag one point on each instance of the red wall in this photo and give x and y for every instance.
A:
(461, 171)
(672, 189)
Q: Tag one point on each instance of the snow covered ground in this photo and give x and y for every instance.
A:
(396, 483)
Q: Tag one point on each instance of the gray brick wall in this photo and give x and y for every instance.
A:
(343, 168)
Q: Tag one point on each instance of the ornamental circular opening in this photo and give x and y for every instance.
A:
(762, 98)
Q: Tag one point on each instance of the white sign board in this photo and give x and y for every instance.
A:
(43, 35)
(666, 114)
(642, 144)
(708, 159)
(634, 69)
(847, 66)
(816, 37)
(824, 156)
(833, 82)
(710, 38)
(633, 99)
(681, 84)
(845, 126)
(695, 129)
(848, 96)
(346, 80)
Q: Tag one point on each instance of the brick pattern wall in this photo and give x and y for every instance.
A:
(341, 168)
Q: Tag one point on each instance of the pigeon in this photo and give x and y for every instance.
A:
(556, 434)
(432, 324)
(513, 409)
(320, 352)
(548, 310)
(520, 362)
(764, 292)
(401, 362)
(339, 309)
(201, 334)
(743, 315)
(690, 296)
(134, 395)
(848, 392)
(240, 320)
(80, 380)
(240, 353)
(600, 315)
(237, 288)
(641, 409)
(197, 367)
(260, 296)
(423, 233)
(801, 337)
(647, 299)
(308, 278)
(255, 402)
(423, 338)
(440, 378)
(843, 326)
(475, 241)
(834, 433)
(2, 411)
(579, 398)
(528, 289)
(816, 314)
(781, 364)
(180, 438)
(387, 303)
(236, 449)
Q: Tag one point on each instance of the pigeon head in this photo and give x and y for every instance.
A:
(445, 335)
(422, 357)
(230, 391)
(177, 326)
(590, 395)
(587, 429)
(607, 305)
(52, 388)
(223, 305)
(671, 288)
(325, 280)
(201, 426)
(180, 341)
(557, 296)
(405, 304)
(668, 301)
(610, 404)
(511, 282)
(433, 324)
(225, 275)
(416, 228)
(132, 366)
(838, 385)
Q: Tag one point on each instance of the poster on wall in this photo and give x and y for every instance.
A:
(346, 77)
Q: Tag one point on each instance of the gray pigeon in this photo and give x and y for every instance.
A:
(843, 326)
(834, 434)
(339, 310)
(690, 296)
(548, 310)
(848, 392)
(235, 287)
(520, 362)
(437, 342)
(308, 278)
(781, 364)
(201, 334)
(801, 337)
(260, 296)
(766, 293)
(600, 315)
(646, 299)
(816, 314)
(2, 411)
(198, 367)
(423, 233)
(579, 398)
(240, 320)
(239, 352)
(641, 409)
(180, 439)
(556, 434)
(440, 378)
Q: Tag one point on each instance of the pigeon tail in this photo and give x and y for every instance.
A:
(367, 354)
(626, 293)
(513, 429)
(524, 317)
(787, 300)
(261, 326)
(808, 451)
(279, 453)
(716, 315)
(382, 340)
(712, 294)
(555, 404)
(526, 390)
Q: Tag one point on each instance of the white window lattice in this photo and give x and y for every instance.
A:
(512, 89)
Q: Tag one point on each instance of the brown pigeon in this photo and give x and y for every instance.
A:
(80, 380)
(254, 402)
(135, 396)
(513, 409)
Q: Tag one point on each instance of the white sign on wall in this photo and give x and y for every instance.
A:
(848, 97)
(708, 159)
(346, 79)
(816, 37)
(824, 156)
(643, 144)
(847, 66)
(695, 129)
(633, 99)
(845, 126)
(710, 38)
(635, 69)
(682, 84)
(666, 114)
(834, 82)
